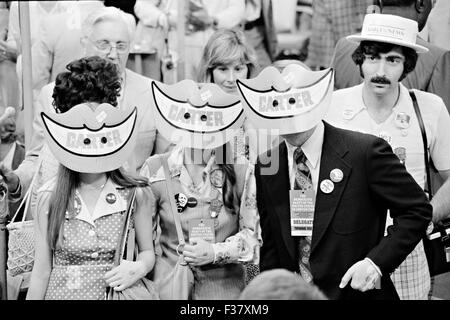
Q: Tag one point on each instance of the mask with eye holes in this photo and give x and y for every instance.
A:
(203, 117)
(90, 141)
(289, 102)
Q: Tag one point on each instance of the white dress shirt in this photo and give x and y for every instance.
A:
(312, 148)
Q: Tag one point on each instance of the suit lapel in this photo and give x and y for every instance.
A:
(333, 151)
(278, 191)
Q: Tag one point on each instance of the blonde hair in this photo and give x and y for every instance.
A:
(224, 47)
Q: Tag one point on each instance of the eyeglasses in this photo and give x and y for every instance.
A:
(105, 47)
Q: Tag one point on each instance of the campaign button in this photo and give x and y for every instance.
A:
(400, 152)
(217, 178)
(402, 120)
(181, 200)
(327, 186)
(111, 198)
(336, 175)
(192, 202)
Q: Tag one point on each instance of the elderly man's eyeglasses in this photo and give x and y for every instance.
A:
(104, 46)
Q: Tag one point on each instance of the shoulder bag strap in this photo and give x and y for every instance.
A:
(171, 196)
(439, 226)
(27, 197)
(122, 241)
(425, 142)
(124, 234)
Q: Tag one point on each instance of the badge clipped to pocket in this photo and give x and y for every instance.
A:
(203, 229)
(302, 212)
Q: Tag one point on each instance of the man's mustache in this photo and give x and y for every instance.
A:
(381, 80)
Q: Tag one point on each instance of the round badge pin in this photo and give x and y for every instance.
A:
(402, 120)
(217, 178)
(111, 198)
(404, 132)
(336, 175)
(327, 186)
(192, 202)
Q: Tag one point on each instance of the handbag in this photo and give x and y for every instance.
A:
(142, 289)
(437, 242)
(21, 236)
(178, 283)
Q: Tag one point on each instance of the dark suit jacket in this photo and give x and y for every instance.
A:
(431, 74)
(349, 222)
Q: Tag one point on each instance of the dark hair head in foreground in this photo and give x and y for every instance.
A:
(280, 284)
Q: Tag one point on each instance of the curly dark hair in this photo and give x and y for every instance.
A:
(90, 79)
(375, 48)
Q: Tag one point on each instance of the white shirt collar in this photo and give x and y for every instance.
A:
(102, 207)
(312, 148)
(358, 107)
(403, 98)
(313, 151)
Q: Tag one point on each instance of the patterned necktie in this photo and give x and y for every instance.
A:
(303, 182)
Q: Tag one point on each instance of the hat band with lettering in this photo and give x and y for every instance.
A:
(389, 29)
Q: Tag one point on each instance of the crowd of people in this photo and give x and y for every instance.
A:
(290, 179)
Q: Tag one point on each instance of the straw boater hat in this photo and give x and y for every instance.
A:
(188, 116)
(85, 140)
(390, 29)
(293, 101)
